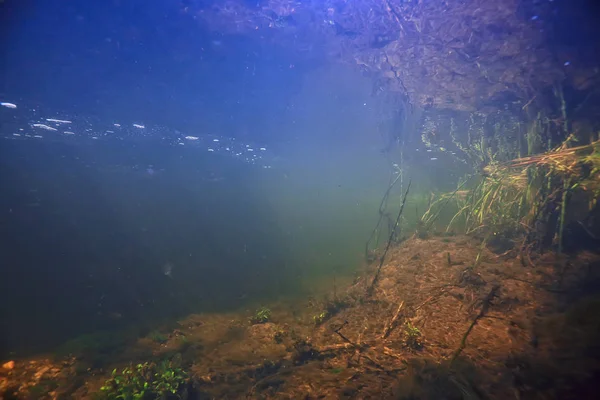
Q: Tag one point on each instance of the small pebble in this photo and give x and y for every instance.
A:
(8, 365)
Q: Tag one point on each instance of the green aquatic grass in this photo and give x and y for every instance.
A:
(261, 316)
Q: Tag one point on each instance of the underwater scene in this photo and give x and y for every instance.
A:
(300, 199)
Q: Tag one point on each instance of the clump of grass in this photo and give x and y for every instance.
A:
(527, 196)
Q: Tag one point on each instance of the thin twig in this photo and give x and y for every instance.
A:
(382, 213)
(344, 338)
(389, 243)
(392, 324)
(432, 297)
(484, 309)
(529, 102)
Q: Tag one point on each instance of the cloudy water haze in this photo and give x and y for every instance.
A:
(283, 198)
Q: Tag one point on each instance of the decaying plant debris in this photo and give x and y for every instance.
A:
(436, 324)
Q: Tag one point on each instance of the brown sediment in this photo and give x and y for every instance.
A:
(436, 324)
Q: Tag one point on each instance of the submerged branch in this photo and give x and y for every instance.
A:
(484, 309)
(382, 207)
(389, 242)
(393, 322)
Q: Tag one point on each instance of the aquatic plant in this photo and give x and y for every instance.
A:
(413, 336)
(321, 317)
(526, 196)
(261, 316)
(144, 381)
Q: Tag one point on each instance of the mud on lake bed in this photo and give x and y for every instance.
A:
(447, 318)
